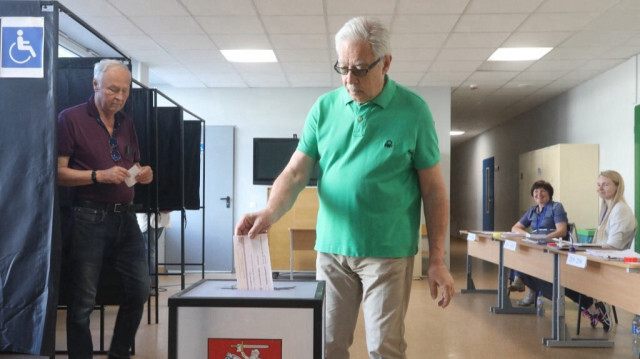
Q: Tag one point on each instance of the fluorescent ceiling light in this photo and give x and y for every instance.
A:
(249, 55)
(456, 133)
(519, 53)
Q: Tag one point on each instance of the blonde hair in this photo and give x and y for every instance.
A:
(605, 210)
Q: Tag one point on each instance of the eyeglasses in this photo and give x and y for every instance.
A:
(115, 155)
(354, 70)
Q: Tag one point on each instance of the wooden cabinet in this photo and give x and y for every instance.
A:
(303, 215)
(572, 170)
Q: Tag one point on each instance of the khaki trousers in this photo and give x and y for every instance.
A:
(383, 285)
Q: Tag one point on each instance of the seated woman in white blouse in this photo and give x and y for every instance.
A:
(617, 229)
(617, 226)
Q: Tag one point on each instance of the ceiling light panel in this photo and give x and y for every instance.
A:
(249, 55)
(519, 53)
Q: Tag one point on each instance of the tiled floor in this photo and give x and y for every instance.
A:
(466, 329)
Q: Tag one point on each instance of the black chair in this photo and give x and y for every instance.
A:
(571, 232)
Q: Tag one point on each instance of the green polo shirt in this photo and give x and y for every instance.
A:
(368, 156)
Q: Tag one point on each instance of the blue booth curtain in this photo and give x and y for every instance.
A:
(29, 239)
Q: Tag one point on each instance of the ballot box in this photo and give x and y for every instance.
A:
(213, 319)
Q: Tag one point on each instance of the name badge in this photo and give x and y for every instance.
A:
(576, 260)
(471, 236)
(510, 245)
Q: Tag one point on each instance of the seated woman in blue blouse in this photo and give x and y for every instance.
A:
(545, 217)
(551, 216)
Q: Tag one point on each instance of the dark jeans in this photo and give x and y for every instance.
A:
(539, 285)
(150, 237)
(513, 274)
(97, 237)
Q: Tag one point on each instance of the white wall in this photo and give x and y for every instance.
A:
(600, 111)
(280, 112)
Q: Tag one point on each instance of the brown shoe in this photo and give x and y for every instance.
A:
(517, 285)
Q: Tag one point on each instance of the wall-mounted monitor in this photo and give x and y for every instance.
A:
(270, 157)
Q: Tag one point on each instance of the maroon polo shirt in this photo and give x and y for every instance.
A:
(85, 140)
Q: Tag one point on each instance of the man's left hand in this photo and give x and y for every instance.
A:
(145, 176)
(439, 277)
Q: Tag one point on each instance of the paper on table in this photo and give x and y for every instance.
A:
(613, 254)
(499, 235)
(252, 262)
(133, 172)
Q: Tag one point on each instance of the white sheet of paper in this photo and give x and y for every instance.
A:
(577, 260)
(510, 245)
(253, 262)
(133, 172)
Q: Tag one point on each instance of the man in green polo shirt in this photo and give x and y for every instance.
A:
(378, 155)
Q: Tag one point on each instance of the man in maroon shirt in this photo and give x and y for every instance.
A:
(97, 149)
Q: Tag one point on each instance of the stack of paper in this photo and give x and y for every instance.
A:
(507, 235)
(536, 235)
(252, 262)
(613, 254)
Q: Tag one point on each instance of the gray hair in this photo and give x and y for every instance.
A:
(366, 29)
(101, 67)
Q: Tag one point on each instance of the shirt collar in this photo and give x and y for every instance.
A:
(93, 110)
(382, 99)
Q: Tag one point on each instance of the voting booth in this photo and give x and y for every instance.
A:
(213, 319)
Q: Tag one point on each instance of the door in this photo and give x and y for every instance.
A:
(218, 202)
(487, 194)
(219, 223)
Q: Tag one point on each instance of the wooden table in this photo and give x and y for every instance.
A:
(300, 239)
(484, 246)
(614, 282)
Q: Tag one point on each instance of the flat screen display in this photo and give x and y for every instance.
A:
(270, 157)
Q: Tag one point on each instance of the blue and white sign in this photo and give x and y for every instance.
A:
(22, 46)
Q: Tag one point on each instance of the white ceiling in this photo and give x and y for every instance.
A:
(434, 43)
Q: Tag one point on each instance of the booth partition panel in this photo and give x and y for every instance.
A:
(30, 239)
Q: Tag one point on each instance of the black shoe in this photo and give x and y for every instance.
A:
(593, 318)
(603, 315)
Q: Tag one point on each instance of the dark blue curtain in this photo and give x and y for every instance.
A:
(29, 239)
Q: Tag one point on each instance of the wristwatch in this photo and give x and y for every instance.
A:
(94, 178)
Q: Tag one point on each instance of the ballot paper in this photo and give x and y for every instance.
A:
(133, 172)
(252, 262)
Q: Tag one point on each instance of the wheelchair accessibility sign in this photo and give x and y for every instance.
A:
(22, 46)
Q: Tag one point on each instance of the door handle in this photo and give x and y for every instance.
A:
(228, 199)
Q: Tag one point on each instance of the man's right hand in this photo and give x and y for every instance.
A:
(254, 223)
(115, 175)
